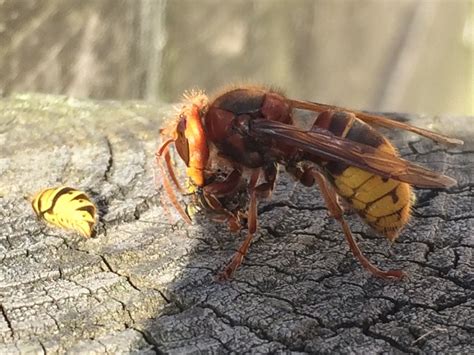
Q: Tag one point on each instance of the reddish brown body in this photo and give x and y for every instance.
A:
(233, 145)
(233, 111)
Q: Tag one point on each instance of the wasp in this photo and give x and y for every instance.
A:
(233, 144)
(66, 208)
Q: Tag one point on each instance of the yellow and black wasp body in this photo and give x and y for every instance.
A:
(66, 208)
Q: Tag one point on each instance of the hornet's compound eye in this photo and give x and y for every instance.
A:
(181, 143)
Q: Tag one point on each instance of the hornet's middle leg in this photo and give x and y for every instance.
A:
(255, 192)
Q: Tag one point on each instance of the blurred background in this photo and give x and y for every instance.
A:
(385, 55)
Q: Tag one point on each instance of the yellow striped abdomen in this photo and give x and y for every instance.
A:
(383, 203)
(66, 208)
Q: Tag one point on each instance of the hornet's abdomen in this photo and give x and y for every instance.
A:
(382, 202)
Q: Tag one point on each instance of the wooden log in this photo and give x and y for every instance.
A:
(146, 285)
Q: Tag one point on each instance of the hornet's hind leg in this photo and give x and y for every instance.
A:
(310, 175)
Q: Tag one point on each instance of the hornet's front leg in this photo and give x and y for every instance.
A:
(214, 190)
(252, 227)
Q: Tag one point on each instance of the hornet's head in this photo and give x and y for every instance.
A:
(190, 137)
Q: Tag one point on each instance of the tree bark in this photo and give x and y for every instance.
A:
(144, 284)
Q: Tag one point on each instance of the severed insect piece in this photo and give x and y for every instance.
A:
(236, 140)
(66, 208)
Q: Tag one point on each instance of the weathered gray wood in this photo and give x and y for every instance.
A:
(144, 285)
